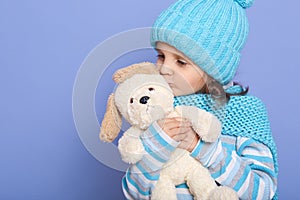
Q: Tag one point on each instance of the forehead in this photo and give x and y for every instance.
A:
(164, 47)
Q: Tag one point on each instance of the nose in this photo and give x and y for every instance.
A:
(165, 68)
(144, 99)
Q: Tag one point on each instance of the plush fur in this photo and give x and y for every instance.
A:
(142, 97)
(112, 121)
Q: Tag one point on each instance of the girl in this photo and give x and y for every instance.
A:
(198, 44)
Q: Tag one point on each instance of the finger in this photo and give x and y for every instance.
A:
(189, 145)
(179, 137)
(178, 119)
(174, 123)
(184, 130)
(184, 145)
(182, 133)
(186, 134)
(177, 131)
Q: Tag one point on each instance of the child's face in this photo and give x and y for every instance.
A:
(183, 76)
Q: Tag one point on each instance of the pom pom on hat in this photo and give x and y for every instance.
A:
(245, 3)
(211, 33)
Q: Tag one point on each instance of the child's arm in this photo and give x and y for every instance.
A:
(141, 177)
(240, 163)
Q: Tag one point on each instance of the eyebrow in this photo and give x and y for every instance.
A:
(178, 56)
(156, 49)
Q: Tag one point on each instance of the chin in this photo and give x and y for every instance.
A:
(181, 93)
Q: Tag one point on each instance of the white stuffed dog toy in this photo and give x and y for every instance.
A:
(142, 97)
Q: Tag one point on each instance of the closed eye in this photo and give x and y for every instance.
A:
(181, 62)
(160, 56)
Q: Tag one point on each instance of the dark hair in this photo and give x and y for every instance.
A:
(217, 92)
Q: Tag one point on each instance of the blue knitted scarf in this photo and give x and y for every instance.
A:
(242, 116)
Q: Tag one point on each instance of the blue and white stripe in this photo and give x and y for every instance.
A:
(238, 162)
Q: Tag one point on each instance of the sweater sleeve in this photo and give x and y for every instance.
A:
(141, 177)
(240, 163)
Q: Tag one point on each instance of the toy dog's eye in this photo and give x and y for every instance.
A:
(131, 100)
(151, 89)
(144, 99)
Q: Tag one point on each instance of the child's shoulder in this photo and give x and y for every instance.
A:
(248, 102)
(247, 116)
(249, 113)
(204, 101)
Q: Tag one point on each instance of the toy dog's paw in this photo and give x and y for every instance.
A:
(131, 149)
(224, 193)
(205, 124)
(212, 130)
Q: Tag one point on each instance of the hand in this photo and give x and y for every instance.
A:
(189, 140)
(180, 130)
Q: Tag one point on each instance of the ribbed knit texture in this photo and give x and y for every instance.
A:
(242, 116)
(210, 32)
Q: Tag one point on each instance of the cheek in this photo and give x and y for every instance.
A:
(195, 80)
(199, 84)
(159, 63)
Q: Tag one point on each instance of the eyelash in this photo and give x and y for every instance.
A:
(179, 61)
(160, 56)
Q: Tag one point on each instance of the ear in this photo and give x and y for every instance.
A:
(141, 68)
(112, 121)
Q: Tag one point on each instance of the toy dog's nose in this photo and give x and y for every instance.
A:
(144, 99)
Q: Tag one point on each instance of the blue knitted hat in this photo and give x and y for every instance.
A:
(210, 32)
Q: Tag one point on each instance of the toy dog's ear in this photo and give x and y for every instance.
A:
(141, 68)
(112, 121)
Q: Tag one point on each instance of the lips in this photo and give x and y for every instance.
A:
(171, 84)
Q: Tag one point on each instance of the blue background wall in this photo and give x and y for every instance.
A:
(44, 43)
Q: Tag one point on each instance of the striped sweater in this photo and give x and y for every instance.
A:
(245, 164)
